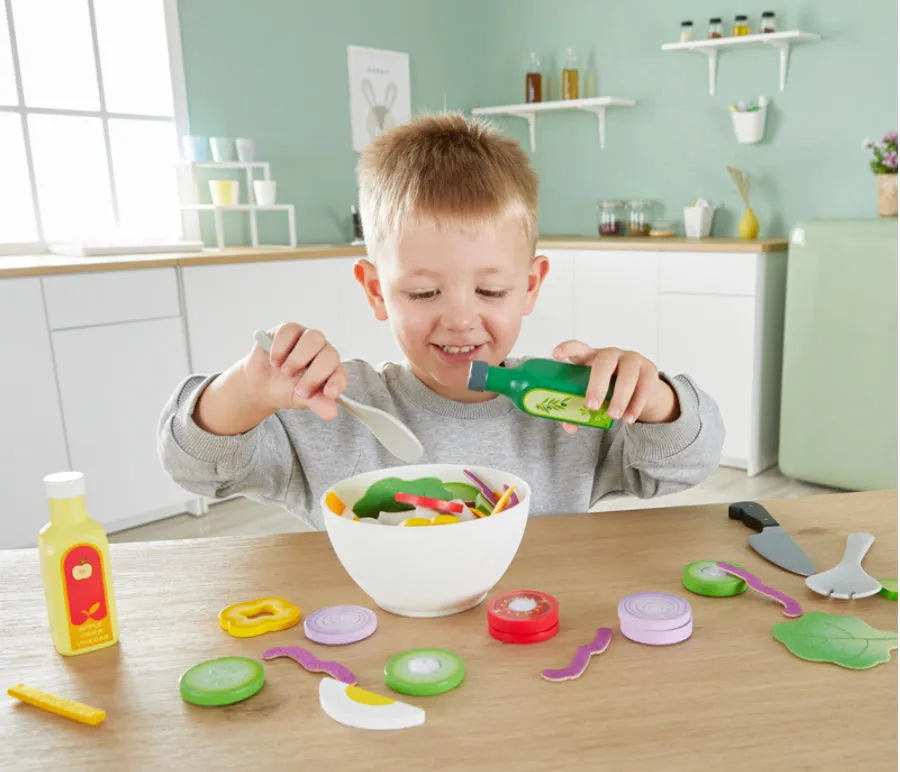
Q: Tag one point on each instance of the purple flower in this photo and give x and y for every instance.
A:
(891, 137)
(890, 159)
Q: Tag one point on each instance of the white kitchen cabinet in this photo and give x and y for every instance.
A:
(725, 330)
(551, 322)
(32, 442)
(225, 304)
(616, 300)
(114, 381)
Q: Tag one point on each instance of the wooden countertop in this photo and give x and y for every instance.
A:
(730, 697)
(43, 265)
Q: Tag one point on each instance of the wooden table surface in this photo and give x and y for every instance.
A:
(730, 696)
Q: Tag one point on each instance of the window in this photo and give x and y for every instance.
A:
(91, 103)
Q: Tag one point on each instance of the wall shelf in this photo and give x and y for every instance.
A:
(596, 105)
(217, 210)
(781, 41)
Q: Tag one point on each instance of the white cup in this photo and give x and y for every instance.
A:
(222, 149)
(225, 192)
(264, 192)
(246, 149)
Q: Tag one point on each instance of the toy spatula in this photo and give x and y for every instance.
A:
(847, 580)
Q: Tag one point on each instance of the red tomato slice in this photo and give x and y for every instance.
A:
(422, 501)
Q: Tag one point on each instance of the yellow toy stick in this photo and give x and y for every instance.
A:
(503, 500)
(77, 711)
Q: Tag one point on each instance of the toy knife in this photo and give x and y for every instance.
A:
(771, 541)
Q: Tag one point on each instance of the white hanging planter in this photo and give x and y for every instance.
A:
(750, 127)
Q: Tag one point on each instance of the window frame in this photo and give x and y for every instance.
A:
(179, 103)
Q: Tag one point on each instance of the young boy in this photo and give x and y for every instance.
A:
(449, 211)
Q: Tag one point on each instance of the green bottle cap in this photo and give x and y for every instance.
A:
(888, 588)
(704, 577)
(222, 681)
(478, 373)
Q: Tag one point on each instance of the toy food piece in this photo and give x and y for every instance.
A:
(221, 681)
(444, 519)
(415, 521)
(582, 657)
(483, 487)
(483, 507)
(424, 672)
(888, 588)
(515, 497)
(523, 612)
(655, 618)
(334, 503)
(503, 501)
(845, 641)
(791, 607)
(255, 617)
(704, 577)
(379, 497)
(424, 501)
(308, 661)
(462, 491)
(361, 709)
(338, 625)
(77, 711)
(544, 635)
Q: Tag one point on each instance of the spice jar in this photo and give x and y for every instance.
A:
(533, 79)
(741, 26)
(608, 221)
(715, 28)
(768, 22)
(638, 219)
(687, 31)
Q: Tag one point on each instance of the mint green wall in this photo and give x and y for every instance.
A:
(276, 70)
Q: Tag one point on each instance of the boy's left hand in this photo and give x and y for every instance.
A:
(639, 394)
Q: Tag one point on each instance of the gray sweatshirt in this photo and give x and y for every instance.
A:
(293, 457)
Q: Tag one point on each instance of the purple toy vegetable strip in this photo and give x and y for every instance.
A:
(514, 499)
(582, 656)
(791, 607)
(485, 490)
(310, 662)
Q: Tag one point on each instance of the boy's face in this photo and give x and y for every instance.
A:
(454, 297)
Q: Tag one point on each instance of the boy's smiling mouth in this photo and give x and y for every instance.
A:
(464, 353)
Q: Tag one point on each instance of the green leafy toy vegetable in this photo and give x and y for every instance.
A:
(380, 495)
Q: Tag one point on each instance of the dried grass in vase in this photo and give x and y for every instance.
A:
(749, 226)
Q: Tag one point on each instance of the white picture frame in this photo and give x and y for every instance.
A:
(379, 92)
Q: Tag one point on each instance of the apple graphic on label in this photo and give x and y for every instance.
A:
(83, 571)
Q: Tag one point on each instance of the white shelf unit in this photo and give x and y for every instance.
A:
(529, 111)
(782, 41)
(249, 167)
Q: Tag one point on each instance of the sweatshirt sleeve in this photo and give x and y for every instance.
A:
(649, 460)
(260, 463)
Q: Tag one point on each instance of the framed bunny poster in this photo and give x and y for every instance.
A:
(379, 92)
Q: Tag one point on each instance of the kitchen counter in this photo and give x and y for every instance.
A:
(731, 697)
(42, 265)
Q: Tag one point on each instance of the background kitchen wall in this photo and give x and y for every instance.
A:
(276, 70)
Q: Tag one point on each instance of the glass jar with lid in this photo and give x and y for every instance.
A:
(715, 28)
(741, 26)
(767, 24)
(609, 220)
(687, 31)
(638, 218)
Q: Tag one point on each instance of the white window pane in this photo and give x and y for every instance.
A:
(16, 207)
(7, 76)
(134, 56)
(56, 54)
(72, 176)
(144, 155)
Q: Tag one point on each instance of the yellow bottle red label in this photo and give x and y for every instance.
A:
(87, 609)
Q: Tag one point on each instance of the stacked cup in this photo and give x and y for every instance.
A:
(523, 616)
(655, 618)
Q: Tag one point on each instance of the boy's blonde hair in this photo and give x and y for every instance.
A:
(446, 169)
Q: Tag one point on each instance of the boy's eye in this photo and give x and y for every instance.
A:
(424, 295)
(493, 294)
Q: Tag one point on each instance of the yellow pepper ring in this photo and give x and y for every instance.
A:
(255, 617)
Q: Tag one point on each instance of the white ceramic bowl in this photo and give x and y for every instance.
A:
(432, 571)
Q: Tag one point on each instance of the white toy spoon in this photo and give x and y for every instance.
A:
(388, 430)
(847, 580)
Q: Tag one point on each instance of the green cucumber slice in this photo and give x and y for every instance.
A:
(888, 588)
(221, 681)
(424, 672)
(704, 577)
(482, 504)
(462, 491)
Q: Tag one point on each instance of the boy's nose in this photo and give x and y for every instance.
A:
(459, 315)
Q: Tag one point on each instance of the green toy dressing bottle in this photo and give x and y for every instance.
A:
(544, 388)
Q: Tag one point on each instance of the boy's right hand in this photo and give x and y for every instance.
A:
(302, 370)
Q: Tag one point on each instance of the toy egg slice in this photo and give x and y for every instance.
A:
(361, 709)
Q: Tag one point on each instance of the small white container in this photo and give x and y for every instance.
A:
(750, 127)
(222, 149)
(225, 192)
(194, 147)
(246, 149)
(264, 192)
(698, 221)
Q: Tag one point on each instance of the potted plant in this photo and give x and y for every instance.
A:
(884, 165)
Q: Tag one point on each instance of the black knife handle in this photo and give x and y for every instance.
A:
(753, 515)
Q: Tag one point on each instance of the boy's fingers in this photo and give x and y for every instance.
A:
(643, 393)
(319, 371)
(570, 428)
(603, 365)
(627, 374)
(336, 384)
(311, 342)
(575, 351)
(323, 407)
(284, 339)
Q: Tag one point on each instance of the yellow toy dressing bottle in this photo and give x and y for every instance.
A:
(76, 571)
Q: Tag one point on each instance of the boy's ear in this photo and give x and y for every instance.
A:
(540, 267)
(367, 275)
